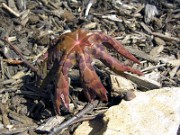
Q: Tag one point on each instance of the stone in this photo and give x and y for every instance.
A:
(155, 112)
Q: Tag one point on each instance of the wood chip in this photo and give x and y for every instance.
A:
(120, 84)
(143, 82)
(19, 75)
(156, 50)
(123, 87)
(173, 72)
(14, 129)
(159, 41)
(10, 10)
(165, 37)
(141, 54)
(174, 62)
(4, 112)
(21, 118)
(51, 123)
(145, 27)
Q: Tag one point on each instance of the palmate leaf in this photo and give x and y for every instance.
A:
(80, 47)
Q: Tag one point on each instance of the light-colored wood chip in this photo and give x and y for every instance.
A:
(143, 82)
(51, 123)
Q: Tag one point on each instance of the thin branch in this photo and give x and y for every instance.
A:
(77, 116)
(10, 10)
(90, 3)
(17, 51)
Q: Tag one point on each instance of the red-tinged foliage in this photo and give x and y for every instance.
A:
(80, 47)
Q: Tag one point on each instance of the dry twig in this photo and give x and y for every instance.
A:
(67, 123)
(5, 39)
(10, 10)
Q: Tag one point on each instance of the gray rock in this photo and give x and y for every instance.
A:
(155, 112)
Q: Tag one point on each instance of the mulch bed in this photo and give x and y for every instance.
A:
(149, 30)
